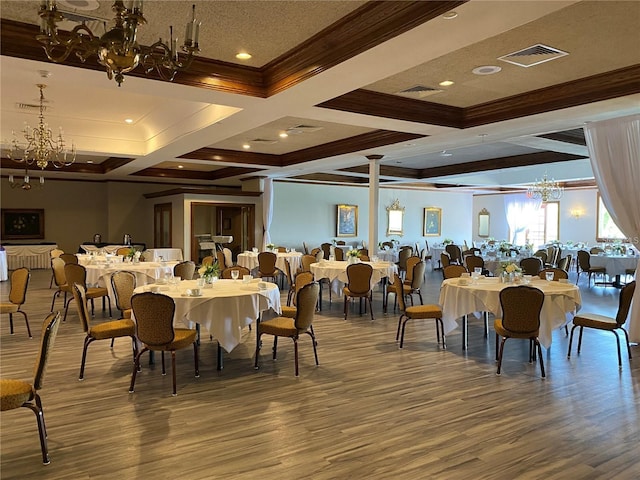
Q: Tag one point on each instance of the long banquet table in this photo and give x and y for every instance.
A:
(459, 300)
(30, 256)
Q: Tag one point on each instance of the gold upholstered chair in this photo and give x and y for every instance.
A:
(305, 263)
(339, 254)
(358, 286)
(531, 265)
(416, 274)
(409, 264)
(306, 300)
(124, 327)
(558, 273)
(55, 253)
(521, 308)
(453, 271)
(154, 329)
(75, 273)
(609, 324)
(16, 393)
(69, 258)
(208, 260)
(267, 266)
(184, 270)
(57, 265)
(123, 283)
(124, 251)
(584, 265)
(473, 261)
(302, 279)
(417, 312)
(455, 253)
(226, 273)
(17, 297)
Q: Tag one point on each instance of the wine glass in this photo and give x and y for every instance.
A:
(235, 274)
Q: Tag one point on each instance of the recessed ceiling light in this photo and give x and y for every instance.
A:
(243, 56)
(283, 134)
(128, 120)
(89, 161)
(446, 83)
(180, 166)
(486, 70)
(450, 15)
(445, 154)
(246, 146)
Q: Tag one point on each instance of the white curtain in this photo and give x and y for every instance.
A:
(267, 211)
(519, 210)
(614, 149)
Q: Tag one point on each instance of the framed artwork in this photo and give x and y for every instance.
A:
(347, 225)
(22, 224)
(432, 221)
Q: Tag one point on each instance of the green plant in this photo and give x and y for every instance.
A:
(212, 270)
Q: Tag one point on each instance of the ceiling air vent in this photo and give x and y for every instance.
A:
(418, 91)
(534, 55)
(263, 141)
(298, 129)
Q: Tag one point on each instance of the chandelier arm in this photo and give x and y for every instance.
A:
(82, 42)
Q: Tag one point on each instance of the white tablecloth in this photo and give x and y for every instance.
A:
(250, 260)
(106, 248)
(224, 309)
(336, 272)
(560, 299)
(390, 256)
(4, 273)
(168, 254)
(615, 264)
(30, 256)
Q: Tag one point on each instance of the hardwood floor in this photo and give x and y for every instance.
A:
(369, 411)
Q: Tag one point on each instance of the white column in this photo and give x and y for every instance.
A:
(374, 201)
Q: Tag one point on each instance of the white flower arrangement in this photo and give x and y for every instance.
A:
(510, 268)
(353, 253)
(270, 246)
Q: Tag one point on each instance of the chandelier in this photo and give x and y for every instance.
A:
(118, 50)
(41, 146)
(25, 183)
(545, 189)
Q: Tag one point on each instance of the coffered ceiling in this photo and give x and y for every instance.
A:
(322, 91)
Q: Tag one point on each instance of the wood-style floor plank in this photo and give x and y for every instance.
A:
(369, 411)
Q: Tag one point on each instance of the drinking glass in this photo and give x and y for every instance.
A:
(235, 274)
(478, 270)
(548, 276)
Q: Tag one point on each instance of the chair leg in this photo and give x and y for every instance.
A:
(196, 359)
(275, 346)
(368, 300)
(41, 430)
(258, 344)
(295, 353)
(504, 339)
(87, 341)
(404, 324)
(571, 341)
(626, 335)
(173, 371)
(164, 371)
(444, 340)
(136, 367)
(580, 339)
(399, 324)
(345, 307)
(11, 323)
(314, 343)
(541, 359)
(618, 345)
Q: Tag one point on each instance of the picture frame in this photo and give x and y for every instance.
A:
(432, 223)
(347, 221)
(22, 223)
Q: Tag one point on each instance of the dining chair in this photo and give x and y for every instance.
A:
(584, 264)
(558, 273)
(206, 261)
(124, 327)
(17, 296)
(455, 253)
(542, 255)
(564, 263)
(326, 250)
(339, 254)
(69, 258)
(226, 273)
(78, 274)
(267, 266)
(403, 256)
(301, 279)
(596, 250)
(185, 270)
(306, 300)
(453, 271)
(221, 260)
(411, 262)
(407, 290)
(472, 262)
(521, 307)
(57, 264)
(16, 393)
(363, 252)
(123, 283)
(444, 261)
(606, 323)
(531, 265)
(305, 248)
(341, 242)
(154, 329)
(281, 249)
(124, 251)
(358, 286)
(228, 257)
(417, 312)
(55, 253)
(305, 263)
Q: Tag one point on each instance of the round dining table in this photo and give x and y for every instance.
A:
(458, 300)
(250, 260)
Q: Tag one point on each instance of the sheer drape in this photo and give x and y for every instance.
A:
(267, 211)
(614, 148)
(519, 209)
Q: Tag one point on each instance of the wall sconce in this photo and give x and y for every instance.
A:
(576, 213)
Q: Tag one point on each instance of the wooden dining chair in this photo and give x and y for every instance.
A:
(358, 286)
(16, 393)
(17, 296)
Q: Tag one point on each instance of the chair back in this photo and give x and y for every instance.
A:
(123, 251)
(154, 318)
(306, 301)
(19, 283)
(418, 274)
(387, 244)
(57, 264)
(359, 277)
(453, 271)
(228, 257)
(326, 250)
(398, 289)
(472, 261)
(47, 339)
(626, 295)
(281, 249)
(521, 308)
(75, 273)
(558, 273)
(305, 248)
(531, 265)
(339, 253)
(584, 260)
(403, 256)
(363, 251)
(123, 284)
(542, 255)
(319, 255)
(341, 242)
(455, 254)
(564, 263)
(226, 273)
(306, 262)
(184, 270)
(411, 262)
(445, 261)
(267, 263)
(221, 260)
(69, 258)
(208, 260)
(80, 296)
(596, 250)
(56, 252)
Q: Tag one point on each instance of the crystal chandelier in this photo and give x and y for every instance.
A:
(118, 50)
(545, 189)
(41, 146)
(25, 183)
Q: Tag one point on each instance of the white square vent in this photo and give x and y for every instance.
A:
(534, 55)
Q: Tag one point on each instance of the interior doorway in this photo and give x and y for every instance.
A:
(162, 225)
(236, 220)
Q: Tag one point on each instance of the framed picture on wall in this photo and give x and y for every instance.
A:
(432, 222)
(347, 225)
(22, 223)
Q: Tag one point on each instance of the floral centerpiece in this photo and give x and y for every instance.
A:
(510, 272)
(352, 256)
(447, 241)
(271, 247)
(209, 272)
(133, 255)
(504, 247)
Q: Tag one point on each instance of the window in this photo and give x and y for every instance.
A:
(542, 226)
(606, 230)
